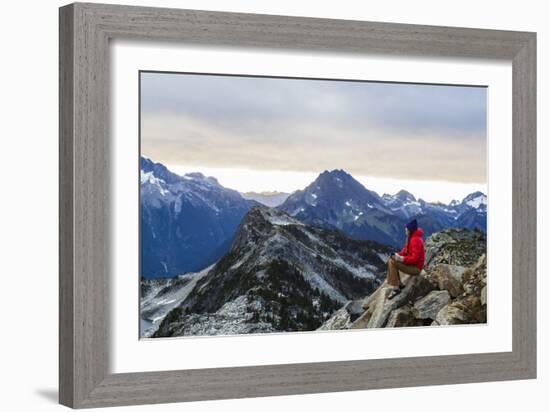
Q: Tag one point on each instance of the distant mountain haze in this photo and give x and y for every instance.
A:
(270, 199)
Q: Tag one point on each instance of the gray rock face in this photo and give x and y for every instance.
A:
(429, 306)
(402, 317)
(460, 247)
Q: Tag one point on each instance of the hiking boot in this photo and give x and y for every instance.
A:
(393, 293)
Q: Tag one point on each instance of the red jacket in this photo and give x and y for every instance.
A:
(413, 251)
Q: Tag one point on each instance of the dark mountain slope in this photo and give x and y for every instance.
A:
(279, 275)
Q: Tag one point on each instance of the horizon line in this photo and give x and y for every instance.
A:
(312, 176)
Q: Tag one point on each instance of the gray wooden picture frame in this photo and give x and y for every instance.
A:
(85, 32)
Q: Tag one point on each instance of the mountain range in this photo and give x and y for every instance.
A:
(186, 222)
(336, 200)
(190, 222)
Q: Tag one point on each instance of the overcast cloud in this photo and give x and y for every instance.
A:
(397, 131)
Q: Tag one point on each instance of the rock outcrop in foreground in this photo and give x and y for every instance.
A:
(451, 290)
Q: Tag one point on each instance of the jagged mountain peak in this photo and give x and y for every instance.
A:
(151, 168)
(333, 186)
(337, 200)
(473, 195)
(403, 195)
(158, 170)
(335, 172)
(260, 223)
(336, 178)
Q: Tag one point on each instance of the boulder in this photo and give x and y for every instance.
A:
(362, 321)
(339, 320)
(466, 309)
(343, 317)
(401, 317)
(449, 278)
(369, 300)
(421, 287)
(379, 307)
(354, 308)
(451, 315)
(429, 306)
(477, 312)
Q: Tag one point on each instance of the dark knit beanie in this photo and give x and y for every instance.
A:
(412, 225)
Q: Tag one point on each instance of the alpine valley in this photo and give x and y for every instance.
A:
(218, 262)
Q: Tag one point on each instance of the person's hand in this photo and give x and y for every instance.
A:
(398, 257)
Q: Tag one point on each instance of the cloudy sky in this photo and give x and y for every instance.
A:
(265, 134)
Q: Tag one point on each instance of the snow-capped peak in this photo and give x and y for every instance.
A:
(475, 200)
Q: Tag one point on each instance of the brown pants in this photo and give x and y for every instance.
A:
(394, 267)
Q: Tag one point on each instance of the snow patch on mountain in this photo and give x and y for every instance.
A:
(317, 281)
(165, 295)
(279, 219)
(477, 201)
(148, 178)
(366, 271)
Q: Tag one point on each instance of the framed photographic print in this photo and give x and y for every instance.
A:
(256, 205)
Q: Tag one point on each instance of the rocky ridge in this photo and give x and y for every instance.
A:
(279, 275)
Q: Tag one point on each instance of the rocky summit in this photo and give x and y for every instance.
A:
(451, 290)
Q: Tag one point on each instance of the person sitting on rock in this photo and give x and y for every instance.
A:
(409, 260)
